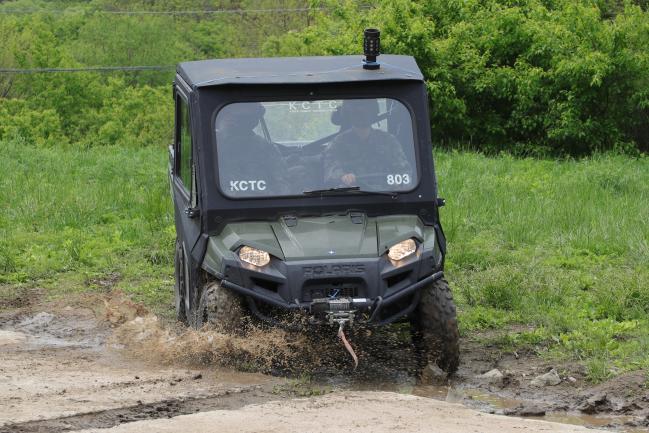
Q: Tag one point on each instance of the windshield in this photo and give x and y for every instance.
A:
(293, 147)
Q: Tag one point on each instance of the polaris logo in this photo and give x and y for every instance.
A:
(332, 270)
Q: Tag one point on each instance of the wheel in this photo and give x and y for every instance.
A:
(180, 283)
(221, 308)
(434, 328)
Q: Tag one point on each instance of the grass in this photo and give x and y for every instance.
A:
(72, 219)
(561, 247)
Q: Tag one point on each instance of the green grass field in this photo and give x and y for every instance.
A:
(559, 246)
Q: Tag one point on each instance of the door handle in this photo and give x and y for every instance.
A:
(192, 212)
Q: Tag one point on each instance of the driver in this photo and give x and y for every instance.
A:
(363, 153)
(248, 163)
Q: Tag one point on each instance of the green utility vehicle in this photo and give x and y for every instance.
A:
(305, 187)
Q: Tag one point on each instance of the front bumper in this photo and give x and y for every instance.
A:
(375, 307)
(379, 290)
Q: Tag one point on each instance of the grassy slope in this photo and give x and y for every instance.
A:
(72, 219)
(560, 246)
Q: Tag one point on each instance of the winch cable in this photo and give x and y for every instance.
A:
(341, 335)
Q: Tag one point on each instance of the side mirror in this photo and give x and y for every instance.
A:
(441, 202)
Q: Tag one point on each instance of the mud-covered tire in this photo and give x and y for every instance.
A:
(221, 308)
(179, 284)
(434, 328)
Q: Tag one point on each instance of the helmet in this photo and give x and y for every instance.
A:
(241, 115)
(360, 112)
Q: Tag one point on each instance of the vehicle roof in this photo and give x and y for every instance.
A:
(296, 70)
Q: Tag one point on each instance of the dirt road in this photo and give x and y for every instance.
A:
(102, 362)
(373, 412)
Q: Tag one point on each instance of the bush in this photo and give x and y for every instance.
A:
(38, 127)
(529, 76)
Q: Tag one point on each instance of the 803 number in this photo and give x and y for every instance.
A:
(398, 179)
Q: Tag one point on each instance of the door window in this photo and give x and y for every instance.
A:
(184, 157)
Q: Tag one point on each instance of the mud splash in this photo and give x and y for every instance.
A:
(254, 350)
(385, 354)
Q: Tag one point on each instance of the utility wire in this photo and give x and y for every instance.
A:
(187, 12)
(87, 69)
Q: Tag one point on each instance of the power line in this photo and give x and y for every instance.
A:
(186, 12)
(87, 69)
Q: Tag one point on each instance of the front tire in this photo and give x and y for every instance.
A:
(221, 308)
(434, 328)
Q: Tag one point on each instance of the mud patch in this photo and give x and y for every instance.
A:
(232, 399)
(12, 297)
(68, 328)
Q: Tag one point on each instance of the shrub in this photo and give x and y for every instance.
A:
(528, 76)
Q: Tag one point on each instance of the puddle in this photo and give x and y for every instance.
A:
(478, 399)
(46, 330)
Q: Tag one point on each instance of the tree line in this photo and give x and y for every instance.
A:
(530, 77)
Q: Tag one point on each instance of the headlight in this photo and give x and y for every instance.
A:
(402, 250)
(254, 256)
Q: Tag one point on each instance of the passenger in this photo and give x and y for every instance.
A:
(248, 163)
(365, 155)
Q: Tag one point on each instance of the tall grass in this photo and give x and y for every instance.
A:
(561, 246)
(69, 217)
(558, 245)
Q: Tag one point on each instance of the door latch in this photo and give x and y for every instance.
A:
(192, 212)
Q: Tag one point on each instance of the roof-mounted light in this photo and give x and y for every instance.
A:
(371, 48)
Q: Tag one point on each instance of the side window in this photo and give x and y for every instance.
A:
(184, 157)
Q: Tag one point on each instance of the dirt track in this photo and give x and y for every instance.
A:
(371, 412)
(96, 363)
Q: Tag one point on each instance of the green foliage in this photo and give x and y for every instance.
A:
(69, 216)
(133, 108)
(37, 127)
(557, 246)
(532, 77)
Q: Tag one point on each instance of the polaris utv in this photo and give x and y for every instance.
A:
(306, 187)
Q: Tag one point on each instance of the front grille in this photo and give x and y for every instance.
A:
(333, 290)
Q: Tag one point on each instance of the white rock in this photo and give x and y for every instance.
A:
(550, 378)
(432, 374)
(492, 376)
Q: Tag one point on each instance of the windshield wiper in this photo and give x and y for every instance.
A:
(346, 190)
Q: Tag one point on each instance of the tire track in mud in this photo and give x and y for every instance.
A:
(227, 400)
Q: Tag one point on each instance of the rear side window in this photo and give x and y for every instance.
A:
(184, 145)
